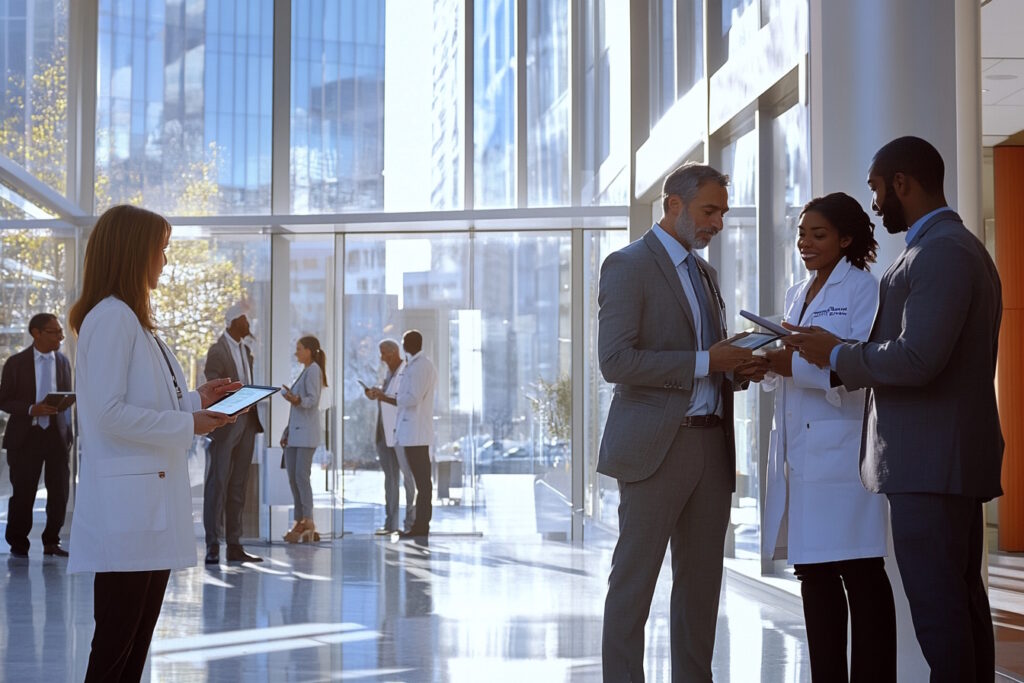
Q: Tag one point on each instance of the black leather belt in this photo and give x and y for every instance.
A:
(701, 421)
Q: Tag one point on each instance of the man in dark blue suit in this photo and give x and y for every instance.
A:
(932, 442)
(37, 434)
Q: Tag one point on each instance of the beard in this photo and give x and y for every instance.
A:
(893, 217)
(686, 232)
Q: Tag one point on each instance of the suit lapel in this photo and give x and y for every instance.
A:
(668, 270)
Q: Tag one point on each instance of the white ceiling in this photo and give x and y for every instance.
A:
(1002, 70)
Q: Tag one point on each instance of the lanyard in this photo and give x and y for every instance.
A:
(170, 368)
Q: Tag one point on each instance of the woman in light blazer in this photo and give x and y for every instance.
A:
(818, 515)
(137, 420)
(302, 435)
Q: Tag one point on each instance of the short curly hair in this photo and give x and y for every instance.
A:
(850, 219)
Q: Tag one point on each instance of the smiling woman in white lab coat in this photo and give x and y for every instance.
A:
(137, 419)
(818, 515)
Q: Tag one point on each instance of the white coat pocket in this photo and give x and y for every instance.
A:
(134, 491)
(833, 451)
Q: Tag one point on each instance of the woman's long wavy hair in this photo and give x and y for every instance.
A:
(118, 259)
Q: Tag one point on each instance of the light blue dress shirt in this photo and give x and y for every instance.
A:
(704, 399)
(911, 234)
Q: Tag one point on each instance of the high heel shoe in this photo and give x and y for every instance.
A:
(295, 535)
(309, 533)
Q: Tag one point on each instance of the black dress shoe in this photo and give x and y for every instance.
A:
(414, 533)
(236, 553)
(54, 550)
(213, 554)
(23, 554)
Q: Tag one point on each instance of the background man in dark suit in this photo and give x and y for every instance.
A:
(669, 435)
(932, 441)
(230, 452)
(37, 434)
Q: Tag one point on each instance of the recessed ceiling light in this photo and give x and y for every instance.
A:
(984, 90)
(1001, 77)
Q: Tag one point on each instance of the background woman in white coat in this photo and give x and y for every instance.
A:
(818, 515)
(303, 434)
(137, 419)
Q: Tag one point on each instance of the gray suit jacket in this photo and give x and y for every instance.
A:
(647, 347)
(931, 423)
(303, 428)
(221, 364)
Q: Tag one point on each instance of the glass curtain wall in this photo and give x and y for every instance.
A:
(494, 312)
(494, 103)
(304, 305)
(547, 103)
(738, 279)
(204, 276)
(33, 93)
(183, 115)
(601, 493)
(37, 275)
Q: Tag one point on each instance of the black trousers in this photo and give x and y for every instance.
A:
(861, 586)
(126, 606)
(42, 447)
(419, 463)
(938, 541)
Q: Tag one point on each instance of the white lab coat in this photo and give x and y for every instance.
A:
(389, 412)
(816, 509)
(133, 506)
(415, 399)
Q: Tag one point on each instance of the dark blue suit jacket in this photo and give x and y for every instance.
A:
(18, 394)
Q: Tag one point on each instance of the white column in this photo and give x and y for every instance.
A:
(968, 199)
(880, 70)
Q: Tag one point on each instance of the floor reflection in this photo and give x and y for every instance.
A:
(456, 609)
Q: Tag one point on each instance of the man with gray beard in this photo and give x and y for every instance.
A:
(669, 436)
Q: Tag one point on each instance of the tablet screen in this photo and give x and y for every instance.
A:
(242, 399)
(754, 340)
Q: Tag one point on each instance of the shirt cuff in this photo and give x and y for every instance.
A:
(701, 364)
(834, 356)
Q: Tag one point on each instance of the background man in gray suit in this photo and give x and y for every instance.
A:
(669, 436)
(932, 441)
(230, 453)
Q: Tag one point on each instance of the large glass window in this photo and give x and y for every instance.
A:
(337, 104)
(547, 103)
(204, 276)
(37, 275)
(33, 90)
(677, 56)
(601, 493)
(183, 117)
(791, 189)
(494, 314)
(738, 279)
(605, 111)
(494, 104)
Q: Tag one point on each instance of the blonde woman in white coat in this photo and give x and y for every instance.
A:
(303, 434)
(818, 515)
(137, 420)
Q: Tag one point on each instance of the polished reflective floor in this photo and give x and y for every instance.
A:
(367, 609)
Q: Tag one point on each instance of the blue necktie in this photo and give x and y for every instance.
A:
(706, 324)
(45, 381)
